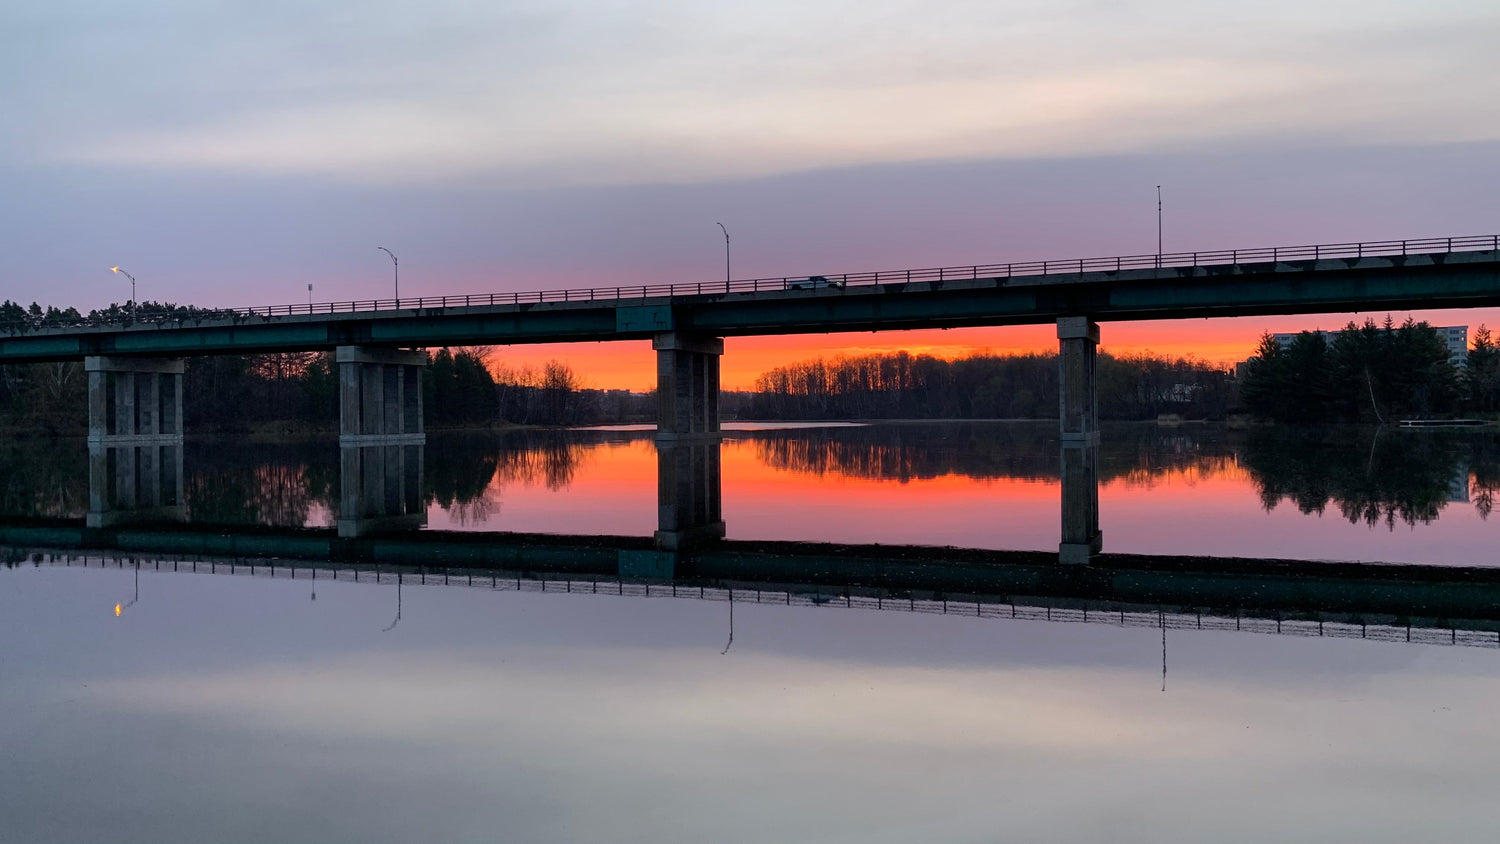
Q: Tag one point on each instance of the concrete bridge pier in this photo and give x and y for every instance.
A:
(135, 440)
(687, 384)
(1078, 417)
(689, 509)
(380, 396)
(381, 440)
(1077, 363)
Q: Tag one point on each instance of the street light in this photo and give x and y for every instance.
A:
(726, 251)
(1158, 226)
(132, 288)
(396, 266)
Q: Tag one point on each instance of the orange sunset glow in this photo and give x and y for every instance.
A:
(632, 365)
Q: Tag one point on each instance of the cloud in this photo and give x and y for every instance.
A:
(591, 93)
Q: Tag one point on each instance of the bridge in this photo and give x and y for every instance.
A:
(135, 368)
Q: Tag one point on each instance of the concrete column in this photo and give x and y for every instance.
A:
(1077, 359)
(688, 493)
(380, 396)
(687, 384)
(128, 398)
(372, 395)
(135, 440)
(148, 404)
(1081, 538)
(380, 489)
(98, 402)
(124, 404)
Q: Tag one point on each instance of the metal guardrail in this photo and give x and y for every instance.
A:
(1074, 612)
(1070, 266)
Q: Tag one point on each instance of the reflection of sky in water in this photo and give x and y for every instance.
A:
(230, 709)
(1207, 504)
(1198, 489)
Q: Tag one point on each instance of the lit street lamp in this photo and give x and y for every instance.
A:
(396, 267)
(132, 288)
(726, 251)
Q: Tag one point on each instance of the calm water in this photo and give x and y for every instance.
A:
(237, 709)
(146, 705)
(1338, 493)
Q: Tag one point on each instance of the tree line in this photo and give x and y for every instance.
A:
(983, 386)
(1370, 373)
(239, 393)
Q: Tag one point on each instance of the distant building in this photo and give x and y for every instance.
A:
(1455, 336)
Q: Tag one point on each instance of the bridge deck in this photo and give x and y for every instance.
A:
(1457, 272)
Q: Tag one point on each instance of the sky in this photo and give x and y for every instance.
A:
(231, 154)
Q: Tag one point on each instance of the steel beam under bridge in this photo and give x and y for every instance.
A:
(1330, 285)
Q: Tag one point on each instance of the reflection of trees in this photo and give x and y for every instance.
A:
(458, 475)
(551, 458)
(464, 468)
(1138, 454)
(261, 484)
(1371, 476)
(44, 477)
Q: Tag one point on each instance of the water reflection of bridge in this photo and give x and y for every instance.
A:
(1388, 606)
(385, 488)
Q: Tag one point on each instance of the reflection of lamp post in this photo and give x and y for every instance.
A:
(120, 608)
(396, 268)
(397, 620)
(726, 250)
(132, 288)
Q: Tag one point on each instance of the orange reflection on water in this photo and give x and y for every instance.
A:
(762, 501)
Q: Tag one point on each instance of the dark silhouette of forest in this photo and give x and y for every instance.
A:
(1370, 373)
(899, 385)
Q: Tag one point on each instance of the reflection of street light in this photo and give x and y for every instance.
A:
(132, 288)
(726, 250)
(120, 608)
(396, 267)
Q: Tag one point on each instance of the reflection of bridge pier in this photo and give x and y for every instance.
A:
(1078, 417)
(381, 489)
(381, 440)
(689, 505)
(135, 440)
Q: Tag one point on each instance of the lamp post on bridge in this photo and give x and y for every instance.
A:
(132, 288)
(1158, 226)
(726, 251)
(396, 268)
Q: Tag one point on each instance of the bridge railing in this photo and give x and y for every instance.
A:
(1065, 267)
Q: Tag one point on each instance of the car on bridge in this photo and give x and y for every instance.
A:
(814, 282)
